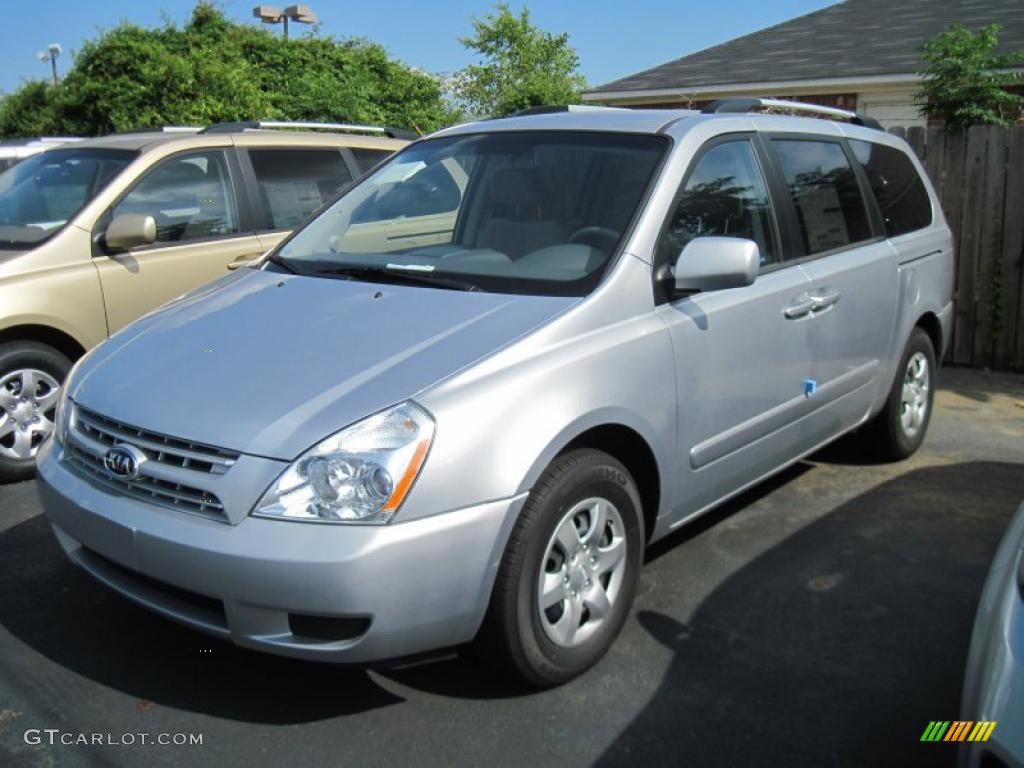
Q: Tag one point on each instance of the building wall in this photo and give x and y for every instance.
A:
(891, 102)
(893, 109)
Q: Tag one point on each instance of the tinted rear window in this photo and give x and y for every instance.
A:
(295, 183)
(897, 187)
(825, 192)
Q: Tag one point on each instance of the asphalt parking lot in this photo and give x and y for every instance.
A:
(822, 618)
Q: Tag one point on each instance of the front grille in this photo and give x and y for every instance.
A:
(162, 449)
(169, 483)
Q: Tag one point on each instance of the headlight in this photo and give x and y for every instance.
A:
(1020, 575)
(60, 418)
(359, 475)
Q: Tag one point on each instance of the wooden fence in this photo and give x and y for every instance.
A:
(979, 175)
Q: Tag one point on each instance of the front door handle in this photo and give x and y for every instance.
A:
(243, 261)
(799, 307)
(824, 300)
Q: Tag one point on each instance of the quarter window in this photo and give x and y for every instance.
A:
(424, 190)
(725, 195)
(825, 192)
(189, 196)
(896, 186)
(295, 183)
(368, 158)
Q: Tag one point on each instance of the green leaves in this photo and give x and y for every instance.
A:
(29, 111)
(520, 66)
(965, 78)
(213, 70)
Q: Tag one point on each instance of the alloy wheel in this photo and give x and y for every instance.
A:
(914, 396)
(581, 572)
(28, 403)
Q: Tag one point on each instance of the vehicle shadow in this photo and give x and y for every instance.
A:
(838, 645)
(60, 612)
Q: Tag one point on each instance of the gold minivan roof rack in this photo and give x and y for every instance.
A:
(248, 125)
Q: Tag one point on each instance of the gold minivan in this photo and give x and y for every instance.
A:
(96, 234)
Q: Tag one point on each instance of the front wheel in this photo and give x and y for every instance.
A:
(567, 579)
(31, 375)
(899, 429)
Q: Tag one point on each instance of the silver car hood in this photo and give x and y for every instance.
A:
(270, 364)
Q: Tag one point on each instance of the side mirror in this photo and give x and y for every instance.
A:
(713, 263)
(130, 230)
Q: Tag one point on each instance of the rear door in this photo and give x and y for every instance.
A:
(853, 274)
(199, 231)
(741, 354)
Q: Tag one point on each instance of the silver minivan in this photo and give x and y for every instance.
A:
(389, 438)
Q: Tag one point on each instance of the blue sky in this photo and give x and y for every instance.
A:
(614, 38)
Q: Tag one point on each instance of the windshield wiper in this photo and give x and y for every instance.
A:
(275, 259)
(397, 273)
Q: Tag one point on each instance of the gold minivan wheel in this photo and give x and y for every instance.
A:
(30, 379)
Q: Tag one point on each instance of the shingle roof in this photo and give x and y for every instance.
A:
(851, 39)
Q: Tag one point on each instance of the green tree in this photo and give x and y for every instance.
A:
(213, 70)
(965, 78)
(28, 111)
(520, 66)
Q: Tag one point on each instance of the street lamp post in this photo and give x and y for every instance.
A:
(51, 55)
(270, 14)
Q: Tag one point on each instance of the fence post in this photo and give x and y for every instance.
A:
(1009, 341)
(989, 293)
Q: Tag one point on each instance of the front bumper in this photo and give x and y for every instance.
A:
(388, 591)
(994, 681)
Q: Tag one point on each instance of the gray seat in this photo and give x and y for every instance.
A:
(519, 208)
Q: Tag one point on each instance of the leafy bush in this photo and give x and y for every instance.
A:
(521, 66)
(213, 70)
(965, 78)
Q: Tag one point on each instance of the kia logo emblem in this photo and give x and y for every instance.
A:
(124, 461)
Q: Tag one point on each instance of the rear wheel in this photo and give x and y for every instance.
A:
(568, 575)
(898, 431)
(31, 375)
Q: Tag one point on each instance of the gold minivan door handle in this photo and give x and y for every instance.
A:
(246, 261)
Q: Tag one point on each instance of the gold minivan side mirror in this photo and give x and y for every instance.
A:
(130, 230)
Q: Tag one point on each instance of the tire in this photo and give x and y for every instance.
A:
(898, 431)
(27, 416)
(542, 648)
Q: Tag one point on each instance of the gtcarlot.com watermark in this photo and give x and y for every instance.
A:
(54, 736)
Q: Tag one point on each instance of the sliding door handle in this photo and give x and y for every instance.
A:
(799, 307)
(824, 300)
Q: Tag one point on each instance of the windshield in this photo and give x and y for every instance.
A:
(41, 193)
(522, 212)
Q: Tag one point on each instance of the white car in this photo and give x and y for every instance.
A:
(13, 151)
(994, 683)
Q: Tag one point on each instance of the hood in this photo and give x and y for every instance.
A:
(270, 364)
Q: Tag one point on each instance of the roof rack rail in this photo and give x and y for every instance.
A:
(550, 109)
(160, 129)
(750, 103)
(244, 125)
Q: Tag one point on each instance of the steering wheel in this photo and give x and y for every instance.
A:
(601, 238)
